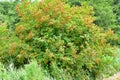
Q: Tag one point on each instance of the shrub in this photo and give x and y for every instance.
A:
(8, 13)
(31, 71)
(116, 10)
(106, 13)
(53, 32)
(103, 11)
(10, 46)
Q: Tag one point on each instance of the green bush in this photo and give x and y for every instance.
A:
(103, 11)
(10, 45)
(116, 10)
(8, 14)
(106, 12)
(31, 71)
(54, 33)
(6, 37)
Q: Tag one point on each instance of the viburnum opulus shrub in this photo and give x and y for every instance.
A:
(53, 32)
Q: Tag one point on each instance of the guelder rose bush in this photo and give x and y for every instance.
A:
(54, 33)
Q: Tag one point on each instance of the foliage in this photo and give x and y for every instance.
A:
(116, 10)
(8, 14)
(31, 72)
(106, 12)
(10, 45)
(61, 37)
(103, 11)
